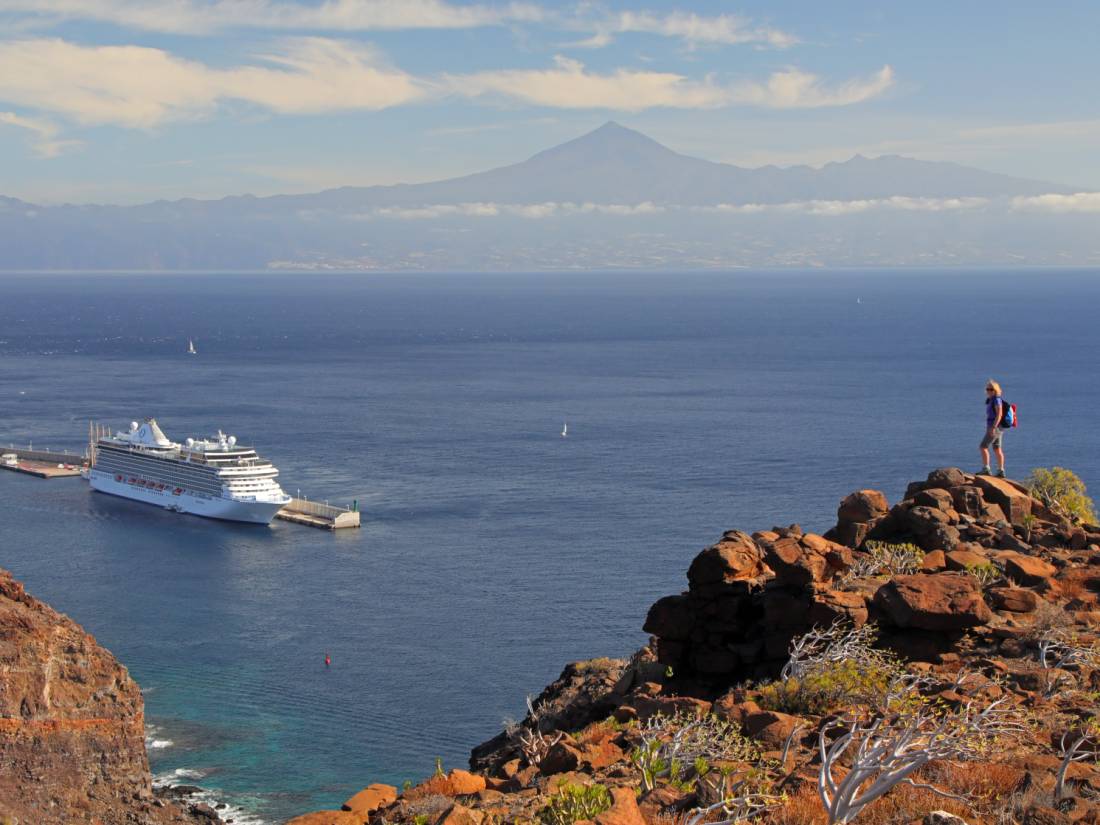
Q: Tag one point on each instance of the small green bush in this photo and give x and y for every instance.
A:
(987, 573)
(828, 686)
(1062, 491)
(574, 802)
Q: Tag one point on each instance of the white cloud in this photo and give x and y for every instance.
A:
(198, 17)
(569, 86)
(142, 87)
(1079, 202)
(44, 134)
(796, 89)
(533, 211)
(835, 208)
(725, 29)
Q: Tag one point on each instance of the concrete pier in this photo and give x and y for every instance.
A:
(314, 514)
(41, 463)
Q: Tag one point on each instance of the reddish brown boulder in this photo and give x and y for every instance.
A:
(732, 709)
(371, 799)
(945, 478)
(1014, 599)
(327, 818)
(647, 706)
(563, 756)
(933, 562)
(1028, 570)
(460, 815)
(1011, 498)
(861, 507)
(671, 618)
(736, 557)
(939, 601)
(960, 559)
(770, 728)
(828, 606)
(623, 811)
(464, 783)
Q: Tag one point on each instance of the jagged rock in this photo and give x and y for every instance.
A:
(1012, 498)
(946, 478)
(460, 815)
(72, 728)
(736, 557)
(370, 799)
(563, 756)
(938, 499)
(1029, 570)
(809, 559)
(464, 783)
(861, 507)
(672, 617)
(939, 601)
(828, 606)
(623, 811)
(1014, 599)
(933, 562)
(960, 559)
(327, 818)
(770, 728)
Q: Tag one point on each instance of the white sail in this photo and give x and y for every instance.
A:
(190, 347)
(564, 430)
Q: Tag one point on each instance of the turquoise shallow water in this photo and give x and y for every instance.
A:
(493, 551)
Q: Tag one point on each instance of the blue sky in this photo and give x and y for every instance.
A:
(132, 100)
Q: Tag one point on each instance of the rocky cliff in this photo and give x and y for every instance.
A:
(936, 661)
(72, 741)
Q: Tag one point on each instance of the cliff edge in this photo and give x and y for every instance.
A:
(72, 737)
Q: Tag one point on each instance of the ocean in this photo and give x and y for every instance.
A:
(493, 551)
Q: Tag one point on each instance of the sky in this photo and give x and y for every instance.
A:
(127, 101)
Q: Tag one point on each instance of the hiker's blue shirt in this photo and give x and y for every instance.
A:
(992, 410)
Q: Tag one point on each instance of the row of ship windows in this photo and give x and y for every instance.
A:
(172, 479)
(165, 465)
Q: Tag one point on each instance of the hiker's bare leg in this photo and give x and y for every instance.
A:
(1000, 453)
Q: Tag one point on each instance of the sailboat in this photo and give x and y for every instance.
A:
(191, 347)
(564, 430)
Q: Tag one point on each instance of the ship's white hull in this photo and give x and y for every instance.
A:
(227, 509)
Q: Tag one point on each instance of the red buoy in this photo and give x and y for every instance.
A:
(328, 661)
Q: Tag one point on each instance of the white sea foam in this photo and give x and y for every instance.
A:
(159, 743)
(211, 797)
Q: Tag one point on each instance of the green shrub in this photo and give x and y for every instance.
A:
(828, 686)
(1062, 491)
(574, 802)
(987, 573)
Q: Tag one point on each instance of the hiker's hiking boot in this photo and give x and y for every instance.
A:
(1000, 474)
(984, 471)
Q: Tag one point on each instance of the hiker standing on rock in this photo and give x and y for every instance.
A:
(994, 416)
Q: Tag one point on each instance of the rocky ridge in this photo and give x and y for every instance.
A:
(72, 736)
(969, 604)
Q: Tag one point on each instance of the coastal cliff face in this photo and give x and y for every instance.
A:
(72, 746)
(965, 619)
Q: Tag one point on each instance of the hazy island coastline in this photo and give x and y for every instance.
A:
(611, 199)
(969, 593)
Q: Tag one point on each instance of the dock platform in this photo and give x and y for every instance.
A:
(41, 463)
(315, 514)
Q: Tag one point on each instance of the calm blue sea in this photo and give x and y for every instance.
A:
(493, 551)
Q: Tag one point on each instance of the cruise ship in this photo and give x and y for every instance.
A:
(212, 477)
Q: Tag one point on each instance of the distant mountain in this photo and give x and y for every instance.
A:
(613, 166)
(617, 165)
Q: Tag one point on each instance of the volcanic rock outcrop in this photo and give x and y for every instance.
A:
(969, 592)
(72, 739)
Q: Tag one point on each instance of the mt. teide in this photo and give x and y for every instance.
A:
(611, 198)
